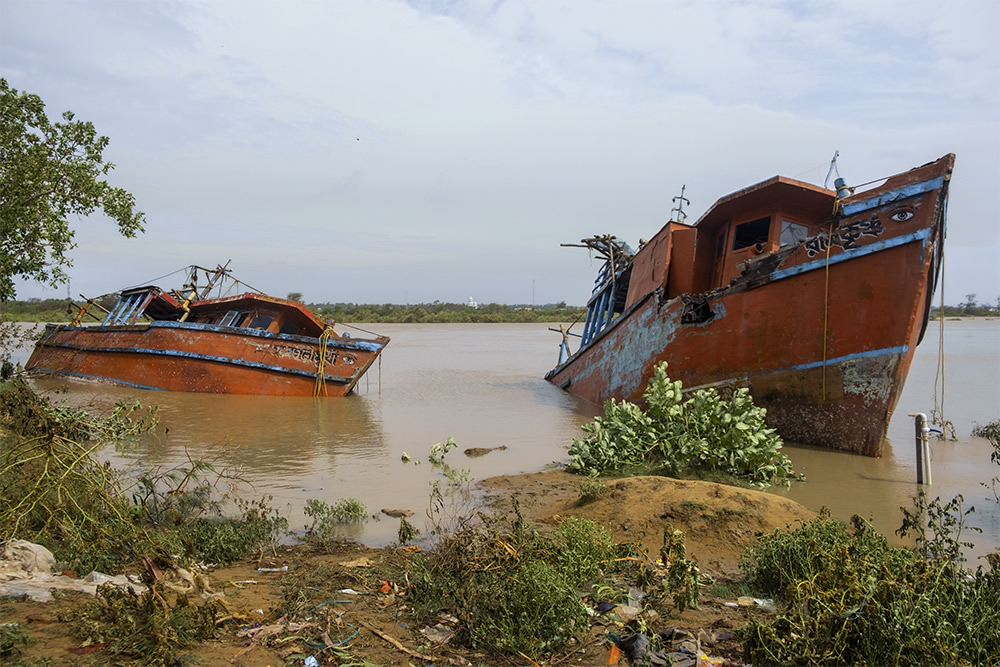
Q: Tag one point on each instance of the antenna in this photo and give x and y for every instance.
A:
(833, 168)
(681, 215)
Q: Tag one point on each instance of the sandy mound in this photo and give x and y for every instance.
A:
(718, 521)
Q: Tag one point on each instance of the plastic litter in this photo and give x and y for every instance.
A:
(311, 662)
(273, 569)
(28, 569)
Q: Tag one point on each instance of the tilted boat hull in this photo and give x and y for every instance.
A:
(823, 340)
(180, 356)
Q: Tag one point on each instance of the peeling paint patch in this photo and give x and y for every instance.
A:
(870, 378)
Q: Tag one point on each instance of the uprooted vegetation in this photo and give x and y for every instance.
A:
(704, 435)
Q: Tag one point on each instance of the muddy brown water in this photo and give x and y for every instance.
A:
(482, 385)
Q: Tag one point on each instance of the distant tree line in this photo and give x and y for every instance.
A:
(60, 310)
(968, 308)
(437, 312)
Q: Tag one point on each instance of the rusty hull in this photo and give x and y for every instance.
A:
(821, 331)
(182, 356)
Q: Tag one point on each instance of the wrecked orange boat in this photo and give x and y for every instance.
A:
(183, 340)
(814, 299)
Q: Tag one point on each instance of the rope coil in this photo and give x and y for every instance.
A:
(324, 338)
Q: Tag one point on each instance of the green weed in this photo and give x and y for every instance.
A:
(850, 598)
(329, 521)
(704, 435)
(513, 590)
(592, 489)
(12, 637)
(142, 627)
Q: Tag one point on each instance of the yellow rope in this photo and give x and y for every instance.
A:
(826, 302)
(937, 416)
(321, 364)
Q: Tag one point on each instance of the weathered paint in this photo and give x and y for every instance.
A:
(822, 342)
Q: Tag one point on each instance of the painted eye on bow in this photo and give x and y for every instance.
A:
(901, 216)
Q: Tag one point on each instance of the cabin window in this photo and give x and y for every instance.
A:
(751, 233)
(230, 319)
(289, 328)
(720, 244)
(260, 322)
(793, 233)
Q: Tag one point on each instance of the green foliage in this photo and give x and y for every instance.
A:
(438, 312)
(682, 579)
(142, 627)
(225, 540)
(439, 451)
(62, 497)
(850, 598)
(11, 635)
(407, 531)
(937, 528)
(49, 172)
(591, 489)
(513, 591)
(991, 432)
(583, 549)
(705, 435)
(328, 521)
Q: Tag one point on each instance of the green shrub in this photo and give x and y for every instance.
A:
(591, 490)
(704, 434)
(142, 627)
(11, 635)
(223, 540)
(329, 521)
(850, 598)
(513, 590)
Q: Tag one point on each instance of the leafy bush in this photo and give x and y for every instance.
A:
(513, 591)
(850, 598)
(142, 627)
(11, 635)
(991, 432)
(62, 497)
(225, 540)
(591, 490)
(328, 521)
(704, 434)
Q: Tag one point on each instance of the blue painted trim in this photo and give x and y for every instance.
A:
(849, 357)
(878, 246)
(82, 376)
(744, 379)
(893, 195)
(336, 343)
(339, 343)
(200, 357)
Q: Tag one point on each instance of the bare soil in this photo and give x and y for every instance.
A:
(719, 523)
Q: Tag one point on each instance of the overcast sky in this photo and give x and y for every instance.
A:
(404, 152)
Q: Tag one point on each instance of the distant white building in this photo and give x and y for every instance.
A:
(472, 303)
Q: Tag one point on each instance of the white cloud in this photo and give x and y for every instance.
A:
(450, 147)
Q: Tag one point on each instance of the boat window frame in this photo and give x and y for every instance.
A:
(751, 233)
(231, 318)
(259, 315)
(805, 233)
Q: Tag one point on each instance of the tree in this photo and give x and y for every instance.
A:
(49, 171)
(295, 296)
(970, 303)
